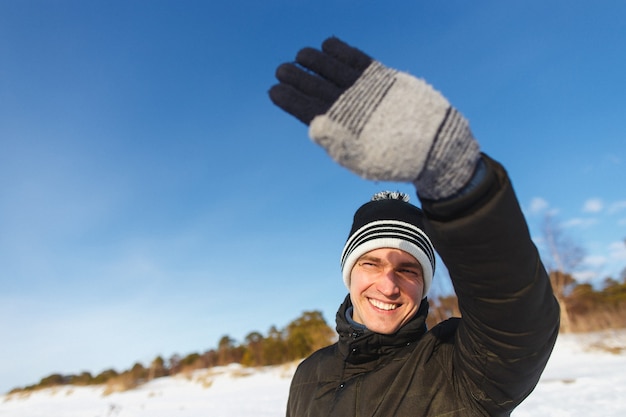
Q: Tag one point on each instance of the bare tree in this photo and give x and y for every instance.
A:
(563, 257)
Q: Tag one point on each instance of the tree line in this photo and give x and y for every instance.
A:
(298, 339)
(590, 309)
(587, 309)
(584, 308)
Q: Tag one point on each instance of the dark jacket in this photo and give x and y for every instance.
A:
(484, 364)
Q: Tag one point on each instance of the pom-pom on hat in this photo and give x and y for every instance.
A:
(389, 221)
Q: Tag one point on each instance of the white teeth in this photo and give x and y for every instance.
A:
(383, 306)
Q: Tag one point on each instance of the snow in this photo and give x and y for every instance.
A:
(585, 376)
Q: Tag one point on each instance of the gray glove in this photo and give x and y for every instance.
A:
(380, 123)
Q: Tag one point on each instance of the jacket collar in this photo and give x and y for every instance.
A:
(358, 345)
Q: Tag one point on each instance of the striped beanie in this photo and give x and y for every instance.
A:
(389, 221)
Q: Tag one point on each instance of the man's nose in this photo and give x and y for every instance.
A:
(387, 283)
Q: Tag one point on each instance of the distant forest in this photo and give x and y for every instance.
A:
(583, 309)
(298, 339)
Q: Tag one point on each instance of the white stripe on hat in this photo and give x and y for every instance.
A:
(389, 234)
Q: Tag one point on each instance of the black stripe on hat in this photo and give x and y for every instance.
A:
(390, 230)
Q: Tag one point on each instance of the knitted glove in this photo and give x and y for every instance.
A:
(380, 123)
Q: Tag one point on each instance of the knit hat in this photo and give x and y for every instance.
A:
(389, 221)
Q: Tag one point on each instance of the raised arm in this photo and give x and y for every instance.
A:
(387, 125)
(510, 316)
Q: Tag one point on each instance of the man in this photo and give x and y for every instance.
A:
(386, 125)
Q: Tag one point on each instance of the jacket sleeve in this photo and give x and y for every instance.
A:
(510, 318)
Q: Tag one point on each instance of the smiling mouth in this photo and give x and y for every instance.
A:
(383, 306)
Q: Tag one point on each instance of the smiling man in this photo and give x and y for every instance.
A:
(386, 286)
(388, 263)
(386, 125)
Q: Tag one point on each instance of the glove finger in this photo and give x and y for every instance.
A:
(328, 67)
(309, 84)
(301, 106)
(347, 54)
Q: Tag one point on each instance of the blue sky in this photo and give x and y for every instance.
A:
(152, 199)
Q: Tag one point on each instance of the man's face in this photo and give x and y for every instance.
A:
(386, 288)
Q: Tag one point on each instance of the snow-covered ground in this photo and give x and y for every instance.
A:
(586, 376)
